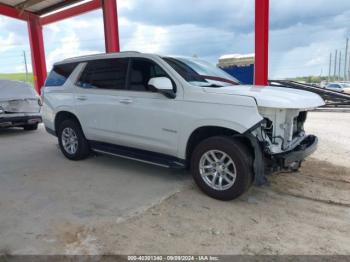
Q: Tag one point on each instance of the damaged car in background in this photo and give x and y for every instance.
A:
(19, 105)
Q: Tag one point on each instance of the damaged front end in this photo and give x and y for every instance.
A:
(19, 104)
(20, 112)
(280, 142)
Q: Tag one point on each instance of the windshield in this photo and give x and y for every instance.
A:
(200, 73)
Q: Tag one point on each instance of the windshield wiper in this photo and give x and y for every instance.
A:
(220, 79)
(211, 85)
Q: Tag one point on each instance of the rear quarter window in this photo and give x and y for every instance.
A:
(105, 74)
(59, 74)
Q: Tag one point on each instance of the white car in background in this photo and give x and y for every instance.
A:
(19, 105)
(346, 87)
(339, 87)
(178, 112)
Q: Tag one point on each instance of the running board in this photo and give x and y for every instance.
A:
(138, 155)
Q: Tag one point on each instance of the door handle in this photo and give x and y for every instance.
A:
(82, 98)
(126, 101)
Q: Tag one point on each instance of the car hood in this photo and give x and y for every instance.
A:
(16, 90)
(274, 97)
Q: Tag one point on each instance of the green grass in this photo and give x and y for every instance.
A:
(17, 76)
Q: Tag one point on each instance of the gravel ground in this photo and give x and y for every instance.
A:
(298, 213)
(303, 213)
(333, 130)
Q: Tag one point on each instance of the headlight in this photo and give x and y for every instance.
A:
(1, 110)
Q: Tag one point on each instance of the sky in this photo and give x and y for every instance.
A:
(302, 33)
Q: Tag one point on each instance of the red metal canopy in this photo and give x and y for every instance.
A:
(38, 13)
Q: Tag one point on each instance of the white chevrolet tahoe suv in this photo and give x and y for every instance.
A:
(178, 112)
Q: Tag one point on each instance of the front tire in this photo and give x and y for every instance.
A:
(222, 167)
(72, 141)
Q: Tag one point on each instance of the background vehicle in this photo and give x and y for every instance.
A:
(178, 112)
(19, 105)
(346, 87)
(335, 87)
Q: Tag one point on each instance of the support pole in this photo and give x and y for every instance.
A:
(346, 59)
(349, 69)
(330, 67)
(25, 65)
(261, 41)
(335, 65)
(37, 51)
(339, 68)
(13, 12)
(110, 20)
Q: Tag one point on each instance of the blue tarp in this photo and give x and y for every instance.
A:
(245, 74)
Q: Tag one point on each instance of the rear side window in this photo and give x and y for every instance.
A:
(59, 74)
(105, 74)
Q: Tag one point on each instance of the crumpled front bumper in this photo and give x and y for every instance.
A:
(299, 153)
(265, 164)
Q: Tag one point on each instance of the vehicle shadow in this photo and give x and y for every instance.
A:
(13, 131)
(44, 148)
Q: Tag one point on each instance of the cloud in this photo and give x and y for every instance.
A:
(236, 15)
(7, 42)
(284, 14)
(302, 33)
(304, 48)
(82, 35)
(70, 47)
(149, 39)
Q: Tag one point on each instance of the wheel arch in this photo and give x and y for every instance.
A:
(204, 132)
(64, 115)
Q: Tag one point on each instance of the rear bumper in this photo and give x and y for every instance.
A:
(19, 120)
(302, 151)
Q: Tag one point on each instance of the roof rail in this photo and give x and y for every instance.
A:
(137, 52)
(92, 55)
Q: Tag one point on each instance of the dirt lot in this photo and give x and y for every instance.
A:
(304, 213)
(299, 213)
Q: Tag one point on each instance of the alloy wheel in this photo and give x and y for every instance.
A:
(217, 169)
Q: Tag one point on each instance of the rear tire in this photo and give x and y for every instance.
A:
(222, 167)
(30, 127)
(72, 141)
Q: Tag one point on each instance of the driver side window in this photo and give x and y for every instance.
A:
(141, 71)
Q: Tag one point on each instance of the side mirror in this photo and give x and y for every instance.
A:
(163, 85)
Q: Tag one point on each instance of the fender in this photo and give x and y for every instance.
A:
(240, 128)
